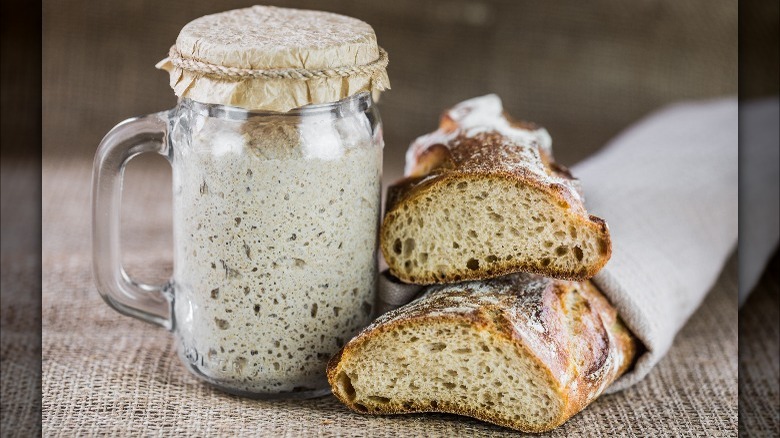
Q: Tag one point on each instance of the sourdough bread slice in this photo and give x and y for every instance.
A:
(520, 351)
(482, 198)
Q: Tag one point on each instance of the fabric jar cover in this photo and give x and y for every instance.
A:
(275, 59)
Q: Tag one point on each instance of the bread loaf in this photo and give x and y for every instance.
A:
(521, 351)
(482, 198)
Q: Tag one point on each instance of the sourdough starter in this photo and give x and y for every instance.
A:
(275, 227)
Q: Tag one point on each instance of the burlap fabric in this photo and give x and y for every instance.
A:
(20, 343)
(104, 373)
(759, 356)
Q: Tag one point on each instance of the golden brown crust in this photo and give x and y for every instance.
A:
(453, 153)
(397, 191)
(568, 328)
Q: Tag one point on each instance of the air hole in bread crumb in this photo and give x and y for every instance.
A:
(473, 234)
(462, 185)
(414, 339)
(578, 253)
(449, 385)
(463, 350)
(472, 264)
(434, 404)
(408, 246)
(546, 262)
(496, 217)
(397, 246)
(561, 250)
(559, 234)
(572, 232)
(378, 399)
(491, 258)
(548, 244)
(423, 257)
(345, 386)
(360, 407)
(437, 346)
(455, 245)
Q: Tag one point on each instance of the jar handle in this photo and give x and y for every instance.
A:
(150, 303)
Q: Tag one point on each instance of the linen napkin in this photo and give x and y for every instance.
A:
(667, 187)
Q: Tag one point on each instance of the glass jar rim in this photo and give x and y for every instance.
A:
(356, 103)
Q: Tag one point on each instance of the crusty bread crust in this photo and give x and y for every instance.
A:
(490, 156)
(566, 328)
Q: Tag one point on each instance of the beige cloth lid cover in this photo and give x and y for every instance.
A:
(275, 59)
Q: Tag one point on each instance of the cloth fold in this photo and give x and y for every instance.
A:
(394, 293)
(667, 187)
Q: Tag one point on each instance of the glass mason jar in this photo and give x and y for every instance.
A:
(275, 232)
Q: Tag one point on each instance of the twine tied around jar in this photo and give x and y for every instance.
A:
(265, 58)
(372, 69)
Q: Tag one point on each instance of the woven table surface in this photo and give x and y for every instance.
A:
(104, 373)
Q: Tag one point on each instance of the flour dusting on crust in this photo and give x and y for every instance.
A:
(481, 138)
(474, 116)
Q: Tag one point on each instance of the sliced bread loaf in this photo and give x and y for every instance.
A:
(483, 197)
(520, 351)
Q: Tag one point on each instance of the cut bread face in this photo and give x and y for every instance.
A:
(483, 197)
(450, 366)
(521, 351)
(466, 227)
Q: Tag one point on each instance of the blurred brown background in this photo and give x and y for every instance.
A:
(584, 70)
